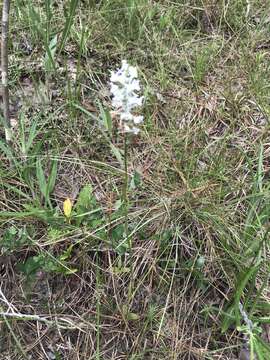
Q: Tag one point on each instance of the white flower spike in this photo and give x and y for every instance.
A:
(124, 88)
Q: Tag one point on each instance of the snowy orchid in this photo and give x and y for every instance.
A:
(124, 88)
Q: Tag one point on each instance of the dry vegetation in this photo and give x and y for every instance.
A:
(198, 212)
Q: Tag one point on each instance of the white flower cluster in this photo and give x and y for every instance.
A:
(124, 88)
(245, 317)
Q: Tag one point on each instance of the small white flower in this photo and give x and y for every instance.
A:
(131, 130)
(124, 88)
(135, 130)
(138, 119)
(133, 86)
(133, 72)
(126, 116)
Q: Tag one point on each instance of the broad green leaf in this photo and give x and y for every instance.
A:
(84, 202)
(86, 206)
(106, 118)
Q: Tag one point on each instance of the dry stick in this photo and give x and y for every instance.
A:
(4, 65)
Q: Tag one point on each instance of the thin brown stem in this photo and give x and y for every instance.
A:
(4, 66)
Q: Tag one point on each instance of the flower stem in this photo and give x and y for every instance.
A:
(126, 208)
(125, 188)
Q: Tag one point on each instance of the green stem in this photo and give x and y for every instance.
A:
(125, 188)
(126, 207)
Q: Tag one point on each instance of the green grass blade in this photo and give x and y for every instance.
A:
(9, 153)
(243, 280)
(32, 135)
(69, 20)
(36, 24)
(52, 178)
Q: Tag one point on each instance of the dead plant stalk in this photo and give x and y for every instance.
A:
(4, 66)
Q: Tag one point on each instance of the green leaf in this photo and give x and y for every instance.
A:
(86, 206)
(41, 178)
(45, 215)
(228, 319)
(46, 187)
(9, 153)
(52, 178)
(135, 181)
(260, 171)
(36, 23)
(132, 316)
(84, 202)
(243, 279)
(118, 154)
(49, 62)
(31, 265)
(32, 134)
(14, 238)
(106, 118)
(121, 270)
(119, 241)
(66, 254)
(261, 347)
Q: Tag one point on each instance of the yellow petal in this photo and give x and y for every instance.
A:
(67, 207)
